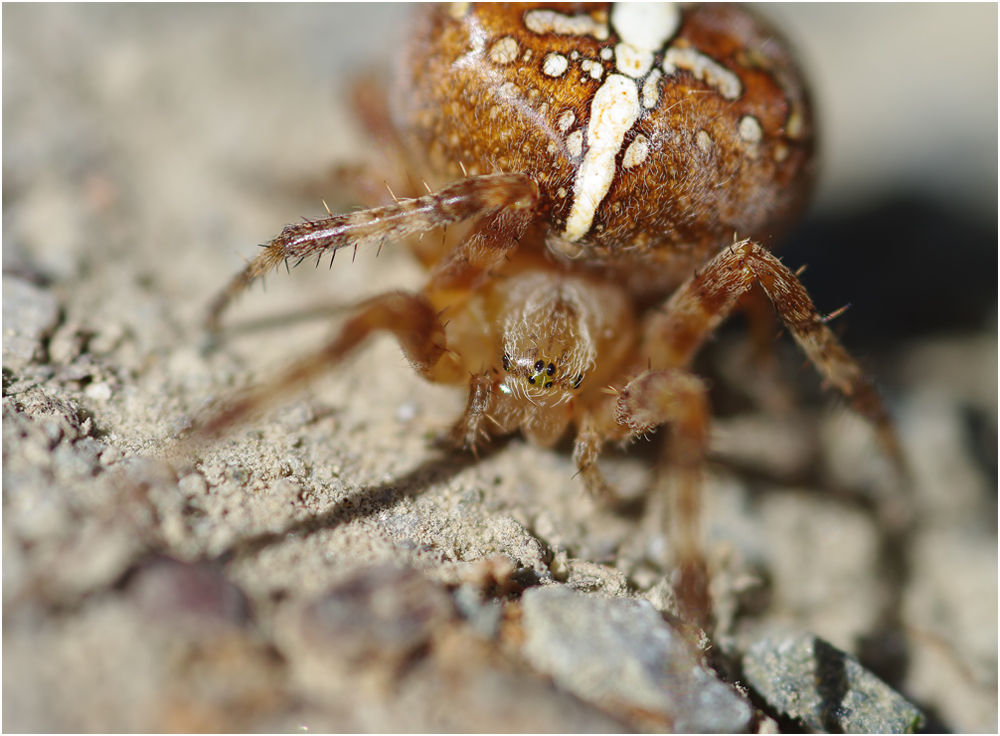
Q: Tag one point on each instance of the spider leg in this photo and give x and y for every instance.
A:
(410, 317)
(761, 323)
(597, 427)
(675, 333)
(469, 429)
(480, 196)
(676, 397)
(758, 373)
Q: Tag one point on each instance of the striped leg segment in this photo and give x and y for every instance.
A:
(674, 334)
(484, 197)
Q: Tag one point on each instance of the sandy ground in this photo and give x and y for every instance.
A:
(147, 150)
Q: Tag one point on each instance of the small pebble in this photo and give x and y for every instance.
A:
(98, 391)
(620, 655)
(191, 485)
(110, 456)
(808, 679)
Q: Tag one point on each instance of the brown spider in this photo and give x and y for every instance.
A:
(612, 161)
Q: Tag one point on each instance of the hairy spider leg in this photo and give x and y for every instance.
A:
(673, 334)
(410, 317)
(679, 399)
(503, 206)
(475, 197)
(468, 429)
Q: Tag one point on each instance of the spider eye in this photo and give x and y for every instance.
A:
(548, 385)
(550, 370)
(539, 366)
(506, 362)
(531, 380)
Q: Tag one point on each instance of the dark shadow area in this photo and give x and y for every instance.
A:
(932, 721)
(831, 684)
(908, 267)
(981, 431)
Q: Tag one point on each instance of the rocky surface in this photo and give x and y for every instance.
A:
(325, 567)
(805, 678)
(621, 655)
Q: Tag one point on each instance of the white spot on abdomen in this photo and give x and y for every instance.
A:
(555, 65)
(636, 153)
(565, 120)
(651, 89)
(705, 69)
(750, 130)
(593, 68)
(549, 21)
(704, 141)
(646, 25)
(632, 61)
(574, 143)
(795, 125)
(458, 10)
(614, 110)
(504, 51)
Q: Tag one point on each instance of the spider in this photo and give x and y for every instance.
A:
(620, 168)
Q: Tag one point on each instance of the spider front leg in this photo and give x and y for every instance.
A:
(675, 333)
(409, 317)
(597, 427)
(653, 398)
(504, 203)
(468, 430)
(680, 399)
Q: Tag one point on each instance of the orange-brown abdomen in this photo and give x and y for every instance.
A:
(655, 133)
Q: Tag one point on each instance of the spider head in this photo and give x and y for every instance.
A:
(532, 375)
(546, 344)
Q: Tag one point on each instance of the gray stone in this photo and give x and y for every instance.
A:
(30, 314)
(620, 655)
(808, 679)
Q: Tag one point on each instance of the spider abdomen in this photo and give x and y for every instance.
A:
(654, 132)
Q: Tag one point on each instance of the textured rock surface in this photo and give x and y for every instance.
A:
(620, 654)
(30, 314)
(826, 689)
(148, 149)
